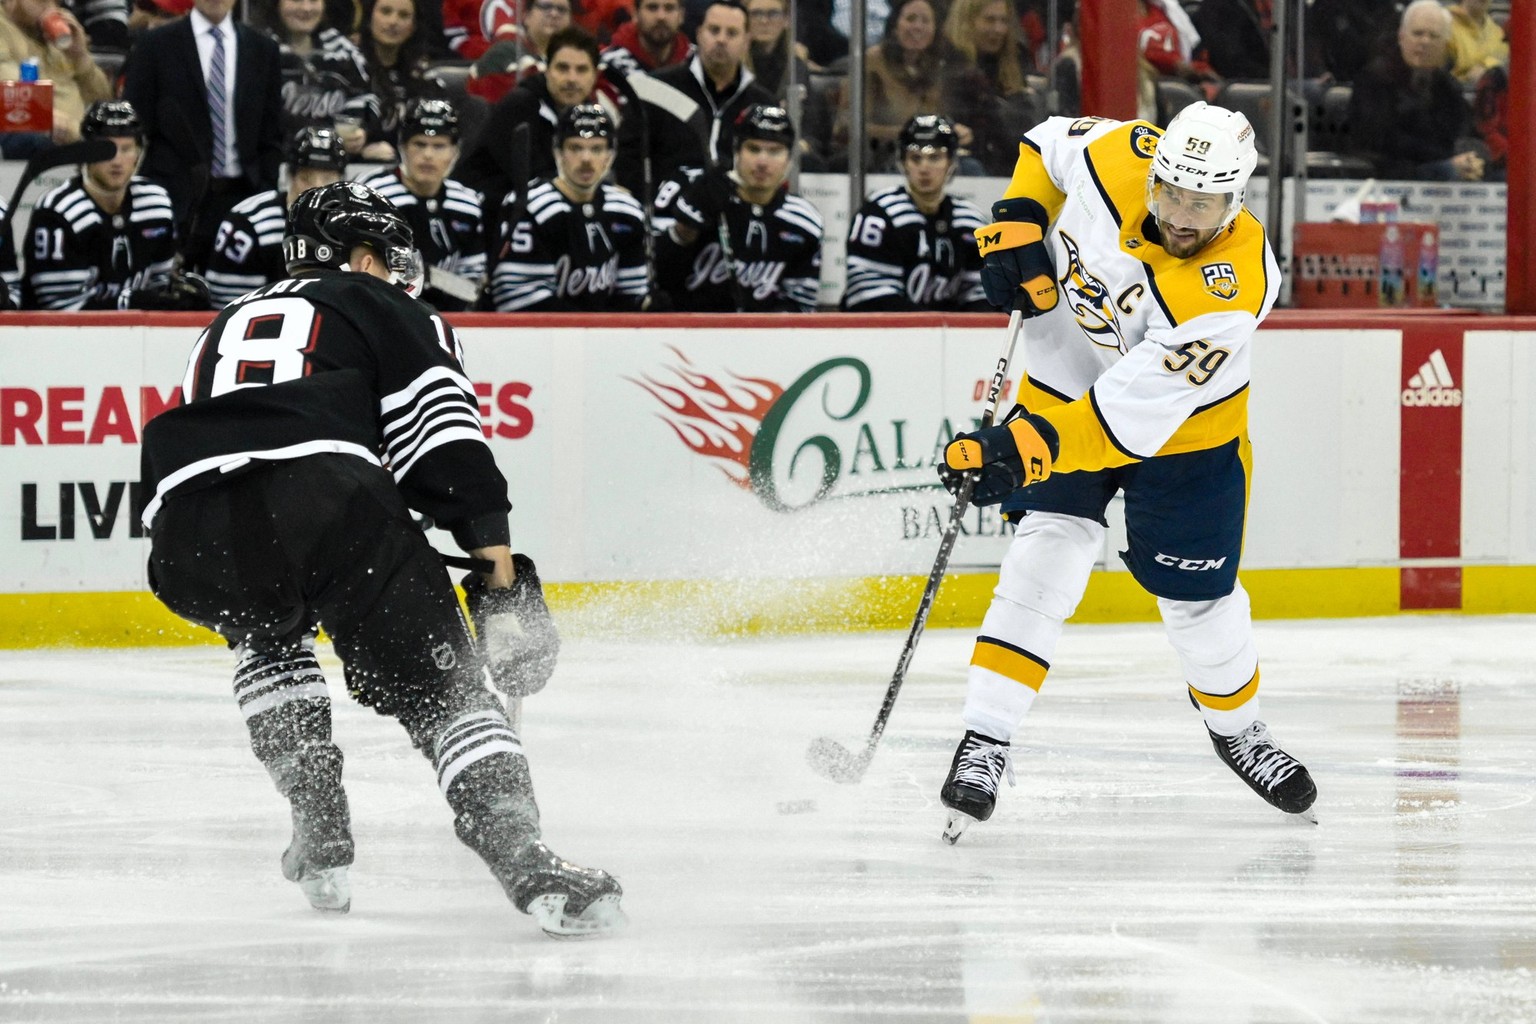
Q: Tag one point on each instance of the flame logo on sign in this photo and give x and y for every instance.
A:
(714, 417)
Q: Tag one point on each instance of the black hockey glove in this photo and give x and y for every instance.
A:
(993, 483)
(1014, 454)
(515, 632)
(705, 199)
(177, 292)
(1016, 271)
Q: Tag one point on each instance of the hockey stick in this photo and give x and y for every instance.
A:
(829, 757)
(86, 151)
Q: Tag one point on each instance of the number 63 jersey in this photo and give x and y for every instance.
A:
(1145, 353)
(333, 362)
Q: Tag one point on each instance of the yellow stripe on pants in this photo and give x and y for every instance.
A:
(1010, 662)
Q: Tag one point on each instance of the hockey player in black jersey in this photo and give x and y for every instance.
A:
(318, 414)
(444, 215)
(912, 247)
(106, 230)
(576, 243)
(766, 258)
(248, 247)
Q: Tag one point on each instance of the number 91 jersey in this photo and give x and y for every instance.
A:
(332, 362)
(1148, 351)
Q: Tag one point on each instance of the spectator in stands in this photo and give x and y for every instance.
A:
(913, 71)
(654, 40)
(397, 56)
(539, 102)
(1477, 41)
(1169, 48)
(600, 19)
(823, 43)
(1407, 113)
(1342, 35)
(148, 14)
(573, 243)
(1491, 109)
(715, 83)
(510, 61)
(77, 81)
(733, 238)
(445, 216)
(323, 70)
(248, 247)
(769, 51)
(985, 35)
(106, 230)
(198, 121)
(1235, 34)
(471, 27)
(105, 21)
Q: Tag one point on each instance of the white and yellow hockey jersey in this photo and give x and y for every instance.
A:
(1145, 353)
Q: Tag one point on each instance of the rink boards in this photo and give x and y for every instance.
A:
(732, 474)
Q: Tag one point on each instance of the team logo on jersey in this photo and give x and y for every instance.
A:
(1220, 280)
(1090, 300)
(1144, 141)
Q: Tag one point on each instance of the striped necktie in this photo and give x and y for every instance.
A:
(218, 104)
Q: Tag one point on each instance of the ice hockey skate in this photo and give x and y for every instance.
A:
(970, 791)
(320, 851)
(567, 901)
(1269, 771)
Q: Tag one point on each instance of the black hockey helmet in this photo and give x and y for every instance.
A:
(317, 147)
(327, 222)
(929, 131)
(585, 121)
(428, 117)
(766, 122)
(112, 119)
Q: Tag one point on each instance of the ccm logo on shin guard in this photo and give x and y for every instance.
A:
(1191, 564)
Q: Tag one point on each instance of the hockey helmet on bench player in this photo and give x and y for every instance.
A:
(1207, 151)
(326, 223)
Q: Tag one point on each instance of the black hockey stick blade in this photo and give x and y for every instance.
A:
(86, 151)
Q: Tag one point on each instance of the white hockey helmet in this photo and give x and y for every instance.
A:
(1205, 149)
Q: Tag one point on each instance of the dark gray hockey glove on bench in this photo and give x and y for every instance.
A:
(516, 635)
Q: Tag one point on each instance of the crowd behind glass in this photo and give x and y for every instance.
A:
(509, 130)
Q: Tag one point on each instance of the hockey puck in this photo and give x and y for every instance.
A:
(796, 806)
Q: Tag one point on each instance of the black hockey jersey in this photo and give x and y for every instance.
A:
(10, 273)
(448, 230)
(248, 248)
(78, 256)
(777, 249)
(333, 362)
(901, 259)
(563, 256)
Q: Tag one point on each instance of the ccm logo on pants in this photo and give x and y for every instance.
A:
(1191, 564)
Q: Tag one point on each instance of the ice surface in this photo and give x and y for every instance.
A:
(1128, 878)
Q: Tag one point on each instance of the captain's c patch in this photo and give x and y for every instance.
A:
(1220, 280)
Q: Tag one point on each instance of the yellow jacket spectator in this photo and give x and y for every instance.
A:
(1477, 41)
(77, 81)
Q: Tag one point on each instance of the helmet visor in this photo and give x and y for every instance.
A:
(1183, 208)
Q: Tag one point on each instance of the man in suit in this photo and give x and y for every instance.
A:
(209, 91)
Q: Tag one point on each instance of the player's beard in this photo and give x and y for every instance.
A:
(1185, 242)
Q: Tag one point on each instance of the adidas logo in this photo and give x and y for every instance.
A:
(1432, 385)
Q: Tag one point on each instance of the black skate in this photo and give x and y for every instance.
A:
(318, 855)
(1269, 771)
(970, 792)
(568, 901)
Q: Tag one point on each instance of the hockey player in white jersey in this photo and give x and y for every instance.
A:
(444, 215)
(913, 247)
(248, 247)
(1145, 279)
